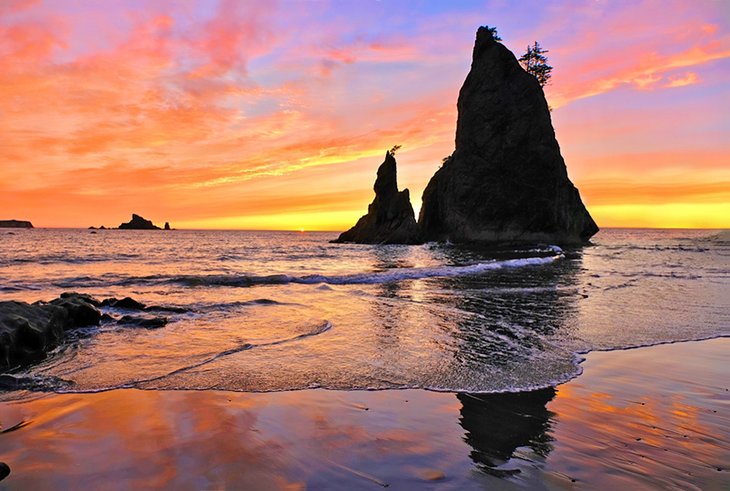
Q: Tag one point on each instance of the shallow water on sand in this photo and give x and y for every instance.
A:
(268, 311)
(665, 426)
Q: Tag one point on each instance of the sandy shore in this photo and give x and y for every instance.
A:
(648, 418)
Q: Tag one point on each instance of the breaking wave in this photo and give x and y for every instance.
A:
(370, 278)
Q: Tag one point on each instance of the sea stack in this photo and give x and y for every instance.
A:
(506, 180)
(390, 218)
(139, 223)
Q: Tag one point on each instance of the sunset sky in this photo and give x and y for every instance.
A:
(275, 115)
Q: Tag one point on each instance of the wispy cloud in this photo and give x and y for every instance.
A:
(690, 78)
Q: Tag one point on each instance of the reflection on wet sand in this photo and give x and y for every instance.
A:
(497, 424)
(293, 440)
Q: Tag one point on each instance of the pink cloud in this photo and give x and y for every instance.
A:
(690, 78)
(238, 32)
(13, 6)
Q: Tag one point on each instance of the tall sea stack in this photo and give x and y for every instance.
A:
(390, 218)
(506, 180)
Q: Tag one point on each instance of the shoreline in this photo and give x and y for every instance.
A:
(611, 425)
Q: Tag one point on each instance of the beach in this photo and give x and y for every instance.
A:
(647, 418)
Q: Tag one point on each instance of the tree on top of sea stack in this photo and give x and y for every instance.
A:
(534, 62)
(506, 180)
(493, 32)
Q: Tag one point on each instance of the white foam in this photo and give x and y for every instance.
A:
(399, 274)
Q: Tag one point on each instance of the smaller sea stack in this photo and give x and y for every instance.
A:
(390, 218)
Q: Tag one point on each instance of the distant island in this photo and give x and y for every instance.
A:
(139, 223)
(506, 180)
(15, 224)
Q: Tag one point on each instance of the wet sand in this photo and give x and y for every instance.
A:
(647, 418)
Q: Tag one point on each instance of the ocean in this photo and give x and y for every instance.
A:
(271, 311)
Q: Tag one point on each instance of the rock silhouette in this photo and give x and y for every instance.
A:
(390, 218)
(506, 180)
(139, 223)
(15, 224)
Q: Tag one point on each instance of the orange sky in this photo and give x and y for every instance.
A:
(275, 115)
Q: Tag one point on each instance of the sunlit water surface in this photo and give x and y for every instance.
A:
(269, 311)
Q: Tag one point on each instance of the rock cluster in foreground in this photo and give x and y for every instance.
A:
(506, 180)
(390, 218)
(29, 331)
(15, 224)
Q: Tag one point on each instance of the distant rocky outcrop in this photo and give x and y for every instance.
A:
(506, 180)
(390, 218)
(15, 224)
(139, 223)
(167, 225)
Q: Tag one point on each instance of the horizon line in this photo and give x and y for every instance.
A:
(304, 230)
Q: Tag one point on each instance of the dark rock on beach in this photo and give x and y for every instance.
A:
(170, 309)
(506, 180)
(81, 310)
(143, 322)
(80, 296)
(28, 331)
(390, 218)
(4, 470)
(138, 223)
(125, 303)
(15, 224)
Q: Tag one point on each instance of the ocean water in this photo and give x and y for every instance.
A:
(271, 311)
